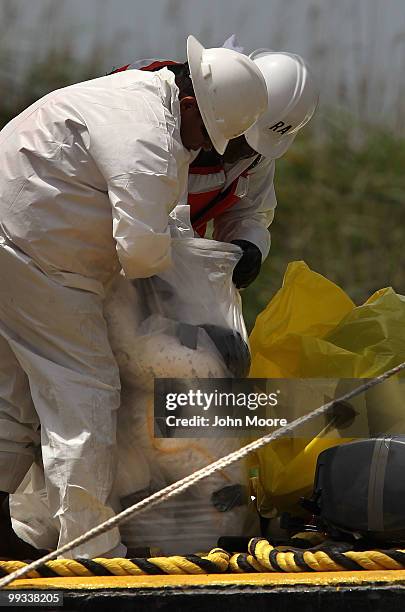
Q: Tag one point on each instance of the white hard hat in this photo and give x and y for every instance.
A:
(292, 100)
(230, 90)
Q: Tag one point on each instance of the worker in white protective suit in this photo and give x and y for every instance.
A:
(236, 189)
(183, 323)
(88, 176)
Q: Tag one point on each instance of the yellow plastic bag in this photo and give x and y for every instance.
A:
(311, 329)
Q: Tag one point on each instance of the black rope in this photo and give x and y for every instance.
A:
(95, 568)
(204, 564)
(396, 555)
(147, 567)
(47, 572)
(273, 560)
(300, 561)
(243, 563)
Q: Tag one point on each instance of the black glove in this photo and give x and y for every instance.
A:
(232, 348)
(248, 267)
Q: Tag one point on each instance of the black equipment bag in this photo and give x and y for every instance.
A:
(360, 488)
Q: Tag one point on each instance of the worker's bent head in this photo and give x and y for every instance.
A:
(230, 93)
(193, 132)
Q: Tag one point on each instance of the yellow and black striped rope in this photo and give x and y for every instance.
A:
(261, 557)
(217, 561)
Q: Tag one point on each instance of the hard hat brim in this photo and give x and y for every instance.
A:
(270, 145)
(195, 57)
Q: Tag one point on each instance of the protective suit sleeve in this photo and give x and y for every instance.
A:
(135, 142)
(140, 204)
(250, 218)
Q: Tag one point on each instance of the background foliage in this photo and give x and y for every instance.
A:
(341, 208)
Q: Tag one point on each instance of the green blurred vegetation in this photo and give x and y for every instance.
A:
(341, 209)
(56, 69)
(340, 189)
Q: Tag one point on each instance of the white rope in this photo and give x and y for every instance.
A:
(181, 485)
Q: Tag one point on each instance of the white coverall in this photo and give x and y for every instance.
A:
(88, 176)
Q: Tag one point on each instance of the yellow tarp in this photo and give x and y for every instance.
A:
(312, 329)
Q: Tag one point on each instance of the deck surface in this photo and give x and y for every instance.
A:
(318, 579)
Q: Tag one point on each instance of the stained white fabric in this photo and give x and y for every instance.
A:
(88, 176)
(189, 522)
(58, 338)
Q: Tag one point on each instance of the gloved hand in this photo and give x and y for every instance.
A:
(232, 348)
(248, 267)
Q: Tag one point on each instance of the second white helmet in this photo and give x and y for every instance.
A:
(230, 90)
(292, 100)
